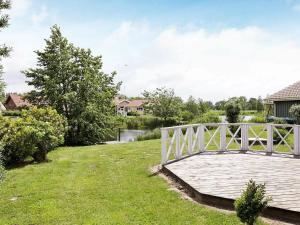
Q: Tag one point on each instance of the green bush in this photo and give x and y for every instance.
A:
(251, 203)
(133, 113)
(258, 119)
(187, 116)
(147, 122)
(34, 134)
(2, 170)
(133, 123)
(295, 112)
(209, 117)
(232, 109)
(14, 113)
(154, 134)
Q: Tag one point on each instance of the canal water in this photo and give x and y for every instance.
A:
(129, 135)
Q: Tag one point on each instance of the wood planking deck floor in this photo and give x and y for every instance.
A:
(225, 175)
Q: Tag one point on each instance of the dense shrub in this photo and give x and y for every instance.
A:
(2, 170)
(34, 134)
(133, 123)
(133, 113)
(147, 122)
(295, 112)
(154, 134)
(209, 117)
(14, 113)
(232, 109)
(258, 119)
(187, 116)
(279, 121)
(251, 203)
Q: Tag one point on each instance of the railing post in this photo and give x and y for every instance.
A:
(164, 138)
(244, 137)
(178, 145)
(223, 137)
(296, 140)
(270, 138)
(201, 138)
(190, 140)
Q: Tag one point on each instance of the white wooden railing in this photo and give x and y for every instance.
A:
(181, 141)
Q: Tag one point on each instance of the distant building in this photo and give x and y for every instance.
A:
(15, 101)
(123, 107)
(284, 99)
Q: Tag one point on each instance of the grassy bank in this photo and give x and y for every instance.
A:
(108, 184)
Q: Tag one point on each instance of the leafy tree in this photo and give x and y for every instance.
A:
(163, 103)
(232, 109)
(251, 203)
(220, 105)
(295, 112)
(260, 104)
(4, 50)
(192, 106)
(252, 104)
(71, 80)
(243, 102)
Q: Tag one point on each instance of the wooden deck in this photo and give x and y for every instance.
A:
(224, 176)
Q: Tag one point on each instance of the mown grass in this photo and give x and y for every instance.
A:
(107, 184)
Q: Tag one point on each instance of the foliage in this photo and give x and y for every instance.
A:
(209, 117)
(258, 119)
(4, 50)
(232, 109)
(251, 203)
(71, 80)
(2, 170)
(279, 121)
(34, 134)
(193, 108)
(133, 113)
(50, 128)
(187, 116)
(253, 104)
(13, 113)
(295, 112)
(154, 134)
(162, 103)
(146, 122)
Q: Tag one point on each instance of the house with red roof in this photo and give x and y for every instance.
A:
(124, 106)
(15, 101)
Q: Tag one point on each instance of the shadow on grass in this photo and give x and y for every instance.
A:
(24, 164)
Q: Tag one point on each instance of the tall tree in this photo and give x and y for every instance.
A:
(4, 50)
(71, 80)
(163, 103)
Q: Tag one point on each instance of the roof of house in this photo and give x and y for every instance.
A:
(291, 92)
(130, 103)
(18, 100)
(136, 102)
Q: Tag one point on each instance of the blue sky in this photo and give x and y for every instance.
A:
(210, 49)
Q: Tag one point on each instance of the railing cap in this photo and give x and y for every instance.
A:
(229, 124)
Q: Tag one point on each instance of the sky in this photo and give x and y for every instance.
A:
(211, 49)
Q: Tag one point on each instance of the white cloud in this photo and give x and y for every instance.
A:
(212, 65)
(19, 7)
(41, 16)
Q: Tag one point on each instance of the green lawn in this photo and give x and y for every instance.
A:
(108, 184)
